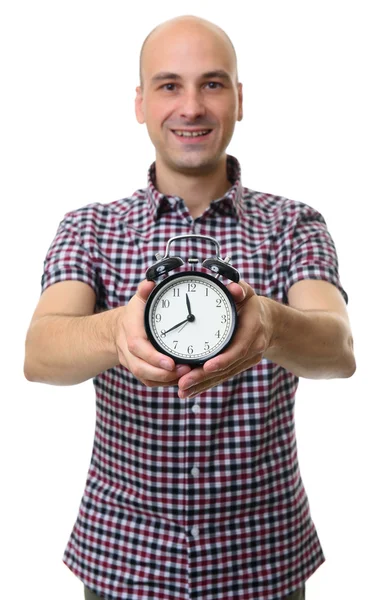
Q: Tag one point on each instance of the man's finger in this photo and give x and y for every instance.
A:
(155, 375)
(141, 348)
(236, 352)
(145, 287)
(218, 378)
(241, 291)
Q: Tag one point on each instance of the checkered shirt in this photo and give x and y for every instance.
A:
(200, 498)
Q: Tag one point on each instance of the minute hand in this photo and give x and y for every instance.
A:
(178, 325)
(189, 318)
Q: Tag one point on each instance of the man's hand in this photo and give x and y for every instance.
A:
(310, 337)
(136, 352)
(250, 342)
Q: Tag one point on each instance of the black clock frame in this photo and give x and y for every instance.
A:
(151, 299)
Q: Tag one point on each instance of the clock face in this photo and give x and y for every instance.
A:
(191, 317)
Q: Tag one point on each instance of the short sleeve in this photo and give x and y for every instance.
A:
(313, 254)
(68, 259)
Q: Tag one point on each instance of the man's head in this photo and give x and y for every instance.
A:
(189, 83)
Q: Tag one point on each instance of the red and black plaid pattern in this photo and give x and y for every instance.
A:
(199, 498)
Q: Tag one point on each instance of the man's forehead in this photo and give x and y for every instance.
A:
(197, 43)
(172, 43)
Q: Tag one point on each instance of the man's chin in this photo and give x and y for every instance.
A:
(194, 165)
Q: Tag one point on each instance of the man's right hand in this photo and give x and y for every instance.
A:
(136, 352)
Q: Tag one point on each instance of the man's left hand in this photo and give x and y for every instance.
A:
(251, 340)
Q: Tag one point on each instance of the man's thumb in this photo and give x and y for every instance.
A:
(144, 289)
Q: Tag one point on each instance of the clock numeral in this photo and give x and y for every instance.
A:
(206, 346)
(191, 287)
(218, 302)
(176, 292)
(162, 333)
(218, 334)
(158, 318)
(190, 350)
(165, 304)
(206, 291)
(175, 342)
(224, 318)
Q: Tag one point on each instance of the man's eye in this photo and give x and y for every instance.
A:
(214, 85)
(168, 86)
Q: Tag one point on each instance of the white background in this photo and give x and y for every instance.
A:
(311, 131)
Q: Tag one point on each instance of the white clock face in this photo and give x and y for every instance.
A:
(191, 317)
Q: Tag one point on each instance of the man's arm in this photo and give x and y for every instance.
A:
(67, 343)
(310, 337)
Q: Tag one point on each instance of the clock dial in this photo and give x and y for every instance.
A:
(190, 317)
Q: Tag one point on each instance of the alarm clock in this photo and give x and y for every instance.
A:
(191, 315)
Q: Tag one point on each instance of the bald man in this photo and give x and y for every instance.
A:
(199, 59)
(194, 489)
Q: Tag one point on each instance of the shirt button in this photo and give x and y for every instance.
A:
(196, 408)
(195, 531)
(195, 471)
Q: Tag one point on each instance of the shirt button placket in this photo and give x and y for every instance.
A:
(195, 471)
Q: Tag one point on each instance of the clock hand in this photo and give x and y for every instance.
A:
(182, 327)
(188, 304)
(189, 318)
(176, 326)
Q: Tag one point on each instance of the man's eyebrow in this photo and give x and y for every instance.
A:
(165, 75)
(218, 73)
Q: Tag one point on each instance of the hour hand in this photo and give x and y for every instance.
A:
(188, 305)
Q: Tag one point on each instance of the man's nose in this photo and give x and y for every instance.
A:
(192, 105)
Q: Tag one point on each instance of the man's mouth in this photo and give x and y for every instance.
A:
(191, 134)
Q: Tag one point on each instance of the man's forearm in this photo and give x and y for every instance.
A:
(65, 350)
(315, 344)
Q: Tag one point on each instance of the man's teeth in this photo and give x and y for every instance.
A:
(191, 133)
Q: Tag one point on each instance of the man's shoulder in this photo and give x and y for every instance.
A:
(99, 215)
(272, 208)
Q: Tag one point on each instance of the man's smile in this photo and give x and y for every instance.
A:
(191, 135)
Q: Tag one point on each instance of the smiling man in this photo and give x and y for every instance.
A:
(190, 100)
(194, 489)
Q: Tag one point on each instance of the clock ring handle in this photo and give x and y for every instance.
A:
(193, 236)
(215, 264)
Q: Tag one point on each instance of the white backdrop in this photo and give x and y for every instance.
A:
(311, 131)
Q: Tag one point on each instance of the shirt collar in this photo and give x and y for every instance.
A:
(230, 203)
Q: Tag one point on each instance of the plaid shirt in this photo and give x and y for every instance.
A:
(199, 498)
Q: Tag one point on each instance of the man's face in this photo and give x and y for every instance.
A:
(189, 88)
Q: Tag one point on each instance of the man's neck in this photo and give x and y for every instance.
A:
(197, 191)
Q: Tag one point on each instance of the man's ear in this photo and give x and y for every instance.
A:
(139, 112)
(240, 103)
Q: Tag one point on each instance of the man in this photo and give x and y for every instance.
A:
(194, 488)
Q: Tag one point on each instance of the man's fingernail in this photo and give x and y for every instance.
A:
(165, 364)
